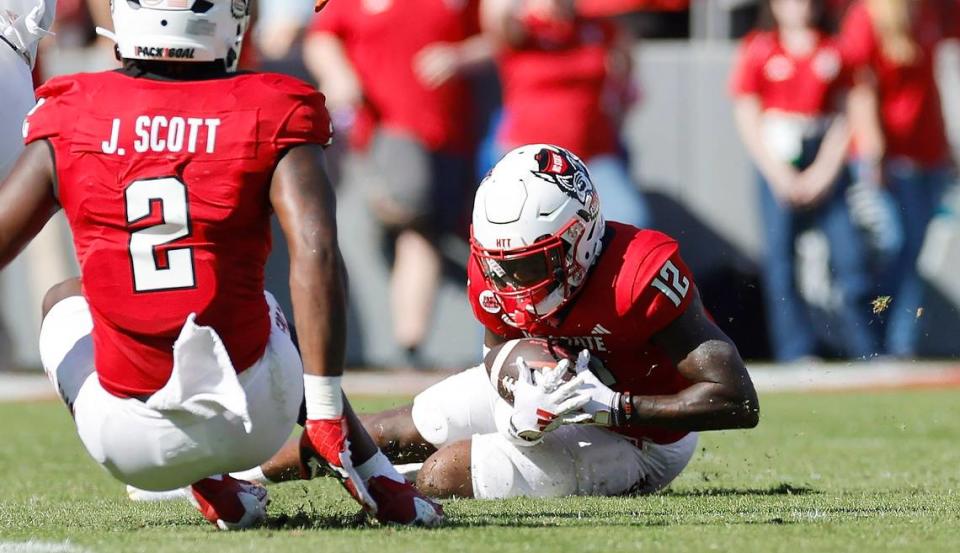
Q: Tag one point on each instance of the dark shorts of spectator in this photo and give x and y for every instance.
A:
(412, 187)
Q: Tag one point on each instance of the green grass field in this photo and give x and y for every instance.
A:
(827, 472)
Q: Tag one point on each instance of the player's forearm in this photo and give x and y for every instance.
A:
(26, 200)
(702, 406)
(721, 396)
(317, 289)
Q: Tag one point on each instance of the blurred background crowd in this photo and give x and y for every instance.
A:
(799, 150)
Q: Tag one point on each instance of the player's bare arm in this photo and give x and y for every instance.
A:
(27, 200)
(722, 394)
(302, 197)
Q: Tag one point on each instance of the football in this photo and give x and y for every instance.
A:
(539, 353)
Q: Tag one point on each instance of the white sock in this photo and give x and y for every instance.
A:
(409, 471)
(378, 465)
(252, 475)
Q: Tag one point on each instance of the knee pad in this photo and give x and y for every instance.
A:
(455, 408)
(66, 346)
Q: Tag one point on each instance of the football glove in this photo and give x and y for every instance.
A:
(601, 405)
(542, 402)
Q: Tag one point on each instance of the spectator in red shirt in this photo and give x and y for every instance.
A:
(394, 68)
(899, 133)
(566, 81)
(787, 85)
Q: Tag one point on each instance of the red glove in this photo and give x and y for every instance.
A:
(325, 449)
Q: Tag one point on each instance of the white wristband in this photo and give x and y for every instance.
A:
(323, 397)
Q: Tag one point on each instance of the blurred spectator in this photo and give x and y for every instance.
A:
(567, 81)
(394, 70)
(787, 85)
(280, 24)
(900, 135)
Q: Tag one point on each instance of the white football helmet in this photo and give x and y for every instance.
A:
(180, 30)
(536, 231)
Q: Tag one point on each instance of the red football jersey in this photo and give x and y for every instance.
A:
(165, 185)
(638, 287)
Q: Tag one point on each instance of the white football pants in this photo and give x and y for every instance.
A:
(206, 420)
(571, 460)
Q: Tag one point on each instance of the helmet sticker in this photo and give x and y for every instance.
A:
(567, 172)
(201, 27)
(488, 302)
(239, 8)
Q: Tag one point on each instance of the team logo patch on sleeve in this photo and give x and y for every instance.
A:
(567, 172)
(488, 302)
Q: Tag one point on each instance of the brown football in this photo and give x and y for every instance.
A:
(538, 353)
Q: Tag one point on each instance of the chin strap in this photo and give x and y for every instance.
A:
(106, 33)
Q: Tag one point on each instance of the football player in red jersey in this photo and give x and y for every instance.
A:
(545, 263)
(177, 366)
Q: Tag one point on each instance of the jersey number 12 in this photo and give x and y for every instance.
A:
(148, 274)
(672, 283)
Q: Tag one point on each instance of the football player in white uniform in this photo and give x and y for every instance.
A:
(22, 24)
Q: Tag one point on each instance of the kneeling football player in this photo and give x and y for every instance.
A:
(544, 263)
(175, 364)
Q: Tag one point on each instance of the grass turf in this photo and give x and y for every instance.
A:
(835, 472)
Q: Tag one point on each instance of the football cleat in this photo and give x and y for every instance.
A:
(325, 451)
(230, 504)
(401, 503)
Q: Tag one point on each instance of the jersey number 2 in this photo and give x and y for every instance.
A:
(148, 274)
(671, 283)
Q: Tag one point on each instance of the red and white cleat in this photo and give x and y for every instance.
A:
(401, 503)
(325, 451)
(230, 504)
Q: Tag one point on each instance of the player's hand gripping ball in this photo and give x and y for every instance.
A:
(543, 391)
(537, 353)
